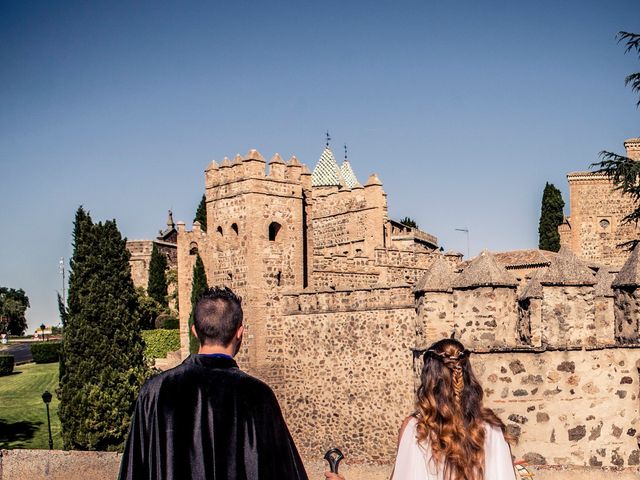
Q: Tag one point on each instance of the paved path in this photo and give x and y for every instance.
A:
(21, 351)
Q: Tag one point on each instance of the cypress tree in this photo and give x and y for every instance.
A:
(201, 214)
(157, 285)
(102, 365)
(550, 217)
(198, 287)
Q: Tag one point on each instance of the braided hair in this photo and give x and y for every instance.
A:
(450, 414)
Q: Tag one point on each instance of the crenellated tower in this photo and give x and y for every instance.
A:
(255, 243)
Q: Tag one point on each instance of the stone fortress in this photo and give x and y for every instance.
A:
(341, 301)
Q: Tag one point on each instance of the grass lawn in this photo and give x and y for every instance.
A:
(23, 417)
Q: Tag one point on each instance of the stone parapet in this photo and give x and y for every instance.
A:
(60, 465)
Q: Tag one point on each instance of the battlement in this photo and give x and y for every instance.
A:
(254, 167)
(327, 300)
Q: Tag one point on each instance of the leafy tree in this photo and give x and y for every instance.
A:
(201, 214)
(550, 217)
(199, 285)
(13, 305)
(102, 364)
(148, 309)
(409, 222)
(157, 285)
(172, 287)
(623, 171)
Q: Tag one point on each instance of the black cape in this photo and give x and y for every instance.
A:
(206, 419)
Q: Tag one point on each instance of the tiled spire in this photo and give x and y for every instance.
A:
(327, 173)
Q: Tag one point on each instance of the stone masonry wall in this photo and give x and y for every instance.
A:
(568, 316)
(339, 222)
(486, 317)
(140, 251)
(575, 407)
(348, 371)
(596, 220)
(626, 313)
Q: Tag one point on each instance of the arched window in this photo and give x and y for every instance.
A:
(234, 227)
(193, 248)
(219, 230)
(274, 228)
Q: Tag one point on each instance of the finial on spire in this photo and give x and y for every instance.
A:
(328, 138)
(345, 151)
(170, 222)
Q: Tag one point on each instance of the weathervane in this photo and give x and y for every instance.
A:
(328, 138)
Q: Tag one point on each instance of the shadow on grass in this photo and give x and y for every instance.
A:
(10, 374)
(14, 435)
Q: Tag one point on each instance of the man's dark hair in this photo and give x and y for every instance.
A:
(218, 314)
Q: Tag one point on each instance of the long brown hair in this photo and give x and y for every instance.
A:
(450, 413)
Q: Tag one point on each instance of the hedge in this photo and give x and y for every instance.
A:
(167, 322)
(46, 352)
(6, 364)
(160, 342)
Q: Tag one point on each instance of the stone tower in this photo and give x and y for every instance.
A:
(256, 243)
(594, 228)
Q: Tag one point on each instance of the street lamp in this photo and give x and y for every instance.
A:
(64, 296)
(465, 230)
(46, 398)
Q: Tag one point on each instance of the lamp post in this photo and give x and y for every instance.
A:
(64, 296)
(46, 398)
(465, 230)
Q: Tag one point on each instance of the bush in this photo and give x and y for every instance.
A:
(160, 342)
(167, 322)
(45, 352)
(6, 364)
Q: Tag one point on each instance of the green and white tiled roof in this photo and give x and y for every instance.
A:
(327, 173)
(348, 175)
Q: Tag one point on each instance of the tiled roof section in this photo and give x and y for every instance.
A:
(525, 258)
(604, 279)
(348, 175)
(327, 173)
(437, 278)
(568, 269)
(629, 275)
(533, 288)
(485, 271)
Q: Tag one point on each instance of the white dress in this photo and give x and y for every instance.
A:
(414, 461)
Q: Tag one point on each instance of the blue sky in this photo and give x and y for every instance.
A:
(464, 110)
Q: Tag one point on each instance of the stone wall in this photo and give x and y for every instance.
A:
(140, 251)
(59, 465)
(568, 314)
(486, 317)
(595, 226)
(348, 370)
(576, 407)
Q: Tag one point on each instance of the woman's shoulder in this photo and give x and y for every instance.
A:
(408, 422)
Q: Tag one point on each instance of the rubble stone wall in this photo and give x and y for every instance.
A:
(576, 407)
(348, 371)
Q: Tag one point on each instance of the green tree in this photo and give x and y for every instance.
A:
(148, 309)
(172, 287)
(199, 285)
(157, 285)
(550, 217)
(409, 222)
(102, 364)
(13, 305)
(623, 171)
(201, 214)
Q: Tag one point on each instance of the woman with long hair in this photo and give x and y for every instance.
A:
(451, 435)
